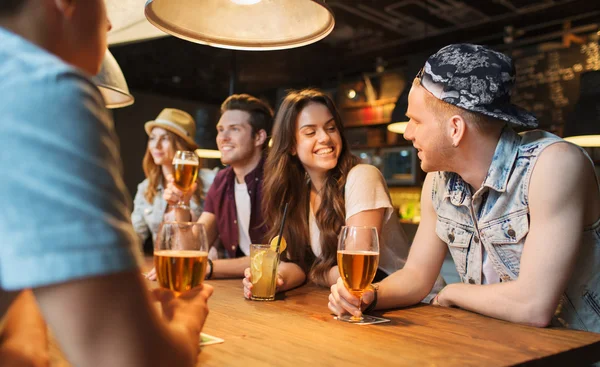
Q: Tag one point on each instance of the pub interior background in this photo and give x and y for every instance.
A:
(370, 58)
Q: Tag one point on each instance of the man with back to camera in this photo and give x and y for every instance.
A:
(519, 212)
(232, 208)
(65, 219)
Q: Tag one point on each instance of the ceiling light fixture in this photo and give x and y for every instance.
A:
(111, 82)
(243, 24)
(398, 127)
(245, 2)
(399, 120)
(129, 24)
(208, 153)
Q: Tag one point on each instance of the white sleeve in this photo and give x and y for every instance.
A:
(366, 190)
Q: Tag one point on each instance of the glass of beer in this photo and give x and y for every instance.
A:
(358, 258)
(263, 268)
(185, 172)
(180, 255)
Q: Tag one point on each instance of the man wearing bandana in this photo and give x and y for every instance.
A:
(520, 213)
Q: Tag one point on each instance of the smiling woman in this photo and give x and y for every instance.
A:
(310, 167)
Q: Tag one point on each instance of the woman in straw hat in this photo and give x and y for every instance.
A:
(171, 131)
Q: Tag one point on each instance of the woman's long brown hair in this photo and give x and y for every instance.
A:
(286, 181)
(154, 172)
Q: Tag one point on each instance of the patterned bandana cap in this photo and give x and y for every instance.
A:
(477, 79)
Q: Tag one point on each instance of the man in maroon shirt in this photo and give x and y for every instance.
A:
(232, 208)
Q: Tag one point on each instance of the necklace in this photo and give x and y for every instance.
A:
(318, 192)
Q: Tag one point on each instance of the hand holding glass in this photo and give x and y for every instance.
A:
(358, 258)
(185, 172)
(264, 261)
(180, 255)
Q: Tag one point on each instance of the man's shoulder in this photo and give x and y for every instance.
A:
(31, 74)
(563, 155)
(222, 176)
(536, 140)
(219, 184)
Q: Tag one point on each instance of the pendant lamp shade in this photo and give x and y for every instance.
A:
(399, 119)
(112, 84)
(208, 153)
(129, 24)
(243, 24)
(583, 127)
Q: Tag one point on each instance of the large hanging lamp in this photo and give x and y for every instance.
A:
(111, 82)
(399, 120)
(129, 24)
(257, 25)
(208, 153)
(583, 128)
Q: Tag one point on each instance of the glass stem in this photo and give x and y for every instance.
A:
(360, 305)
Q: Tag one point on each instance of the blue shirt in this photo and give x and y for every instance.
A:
(64, 208)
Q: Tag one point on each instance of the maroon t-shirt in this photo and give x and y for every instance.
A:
(220, 201)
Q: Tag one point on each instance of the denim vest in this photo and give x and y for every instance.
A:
(497, 218)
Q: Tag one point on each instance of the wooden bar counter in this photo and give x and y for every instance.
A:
(298, 330)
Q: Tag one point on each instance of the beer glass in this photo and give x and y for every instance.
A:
(185, 171)
(358, 258)
(180, 255)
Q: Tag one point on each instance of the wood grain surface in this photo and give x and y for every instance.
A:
(297, 330)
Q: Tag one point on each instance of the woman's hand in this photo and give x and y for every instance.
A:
(151, 275)
(247, 283)
(441, 300)
(173, 195)
(341, 301)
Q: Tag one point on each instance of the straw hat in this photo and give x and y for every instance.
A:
(176, 121)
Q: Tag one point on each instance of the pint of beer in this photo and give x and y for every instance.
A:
(180, 270)
(185, 172)
(357, 269)
(358, 258)
(180, 255)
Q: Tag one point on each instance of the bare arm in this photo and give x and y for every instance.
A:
(210, 224)
(557, 219)
(109, 321)
(230, 268)
(23, 338)
(412, 283)
(292, 274)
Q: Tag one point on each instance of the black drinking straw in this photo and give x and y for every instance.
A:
(281, 228)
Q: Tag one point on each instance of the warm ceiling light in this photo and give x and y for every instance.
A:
(129, 24)
(112, 84)
(587, 141)
(245, 2)
(265, 25)
(398, 127)
(208, 153)
(399, 120)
